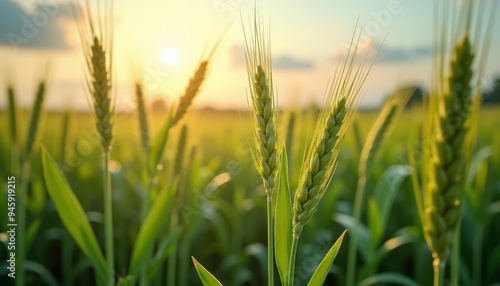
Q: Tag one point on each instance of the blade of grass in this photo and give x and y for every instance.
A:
(390, 278)
(72, 215)
(283, 225)
(151, 228)
(321, 272)
(387, 188)
(166, 247)
(206, 277)
(374, 224)
(159, 143)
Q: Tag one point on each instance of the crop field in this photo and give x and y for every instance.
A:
(224, 207)
(169, 193)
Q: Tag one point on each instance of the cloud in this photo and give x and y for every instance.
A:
(41, 28)
(391, 55)
(290, 63)
(387, 54)
(283, 62)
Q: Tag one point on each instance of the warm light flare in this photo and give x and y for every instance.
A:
(171, 56)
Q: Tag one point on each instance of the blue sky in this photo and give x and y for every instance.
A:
(306, 39)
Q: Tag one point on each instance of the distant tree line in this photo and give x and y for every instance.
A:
(491, 95)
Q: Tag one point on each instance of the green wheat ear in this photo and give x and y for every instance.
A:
(33, 130)
(340, 104)
(143, 116)
(100, 89)
(97, 46)
(258, 62)
(449, 131)
(191, 91)
(446, 171)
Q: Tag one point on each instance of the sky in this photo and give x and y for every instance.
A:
(167, 39)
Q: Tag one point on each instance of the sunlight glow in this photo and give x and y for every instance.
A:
(170, 56)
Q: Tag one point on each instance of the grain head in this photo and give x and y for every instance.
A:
(340, 103)
(259, 70)
(98, 49)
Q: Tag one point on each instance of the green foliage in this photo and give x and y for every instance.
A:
(283, 224)
(72, 214)
(223, 225)
(159, 143)
(206, 277)
(323, 268)
(152, 226)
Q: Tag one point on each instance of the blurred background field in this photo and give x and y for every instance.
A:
(229, 233)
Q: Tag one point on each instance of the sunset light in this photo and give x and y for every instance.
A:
(194, 142)
(170, 56)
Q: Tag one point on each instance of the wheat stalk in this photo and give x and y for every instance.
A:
(98, 49)
(191, 91)
(450, 133)
(31, 139)
(12, 113)
(35, 119)
(382, 128)
(443, 197)
(181, 148)
(265, 127)
(340, 104)
(143, 116)
(100, 74)
(378, 133)
(259, 71)
(97, 44)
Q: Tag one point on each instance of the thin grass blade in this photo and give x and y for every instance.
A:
(374, 223)
(152, 226)
(387, 189)
(350, 223)
(166, 247)
(388, 278)
(283, 225)
(43, 272)
(206, 277)
(159, 143)
(71, 213)
(321, 272)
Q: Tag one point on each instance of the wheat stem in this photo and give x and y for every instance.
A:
(108, 219)
(378, 133)
(293, 255)
(97, 44)
(31, 137)
(12, 114)
(21, 224)
(31, 140)
(259, 71)
(438, 267)
(181, 148)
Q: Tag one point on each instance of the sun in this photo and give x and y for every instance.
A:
(171, 56)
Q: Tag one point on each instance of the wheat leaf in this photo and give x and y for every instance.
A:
(206, 277)
(71, 213)
(283, 225)
(321, 272)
